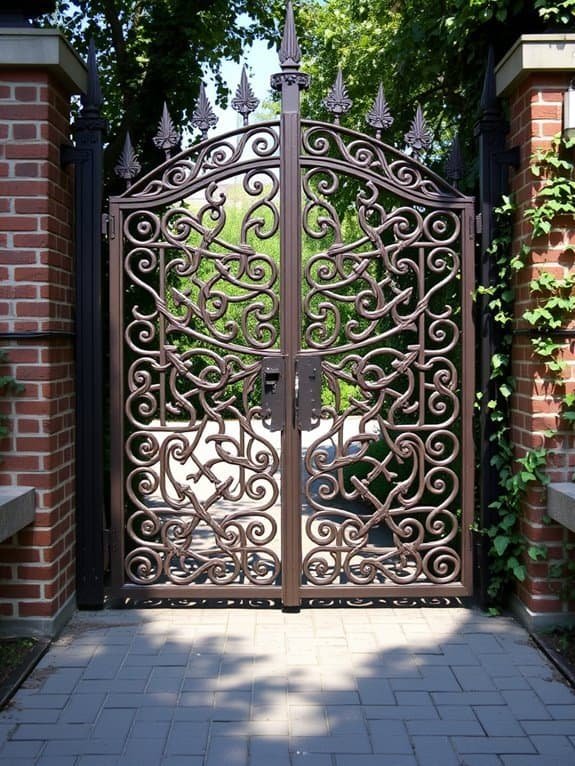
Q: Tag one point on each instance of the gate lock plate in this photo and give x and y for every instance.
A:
(273, 392)
(308, 394)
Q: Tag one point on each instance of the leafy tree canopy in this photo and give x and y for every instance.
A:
(151, 51)
(428, 51)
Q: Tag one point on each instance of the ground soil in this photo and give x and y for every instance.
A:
(562, 640)
(14, 654)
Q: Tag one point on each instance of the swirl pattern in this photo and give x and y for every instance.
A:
(378, 294)
(380, 307)
(202, 307)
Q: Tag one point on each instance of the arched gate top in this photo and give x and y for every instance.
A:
(322, 144)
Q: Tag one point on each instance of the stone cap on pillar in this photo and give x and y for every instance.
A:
(551, 53)
(45, 49)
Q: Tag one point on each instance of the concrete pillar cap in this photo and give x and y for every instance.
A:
(46, 49)
(535, 53)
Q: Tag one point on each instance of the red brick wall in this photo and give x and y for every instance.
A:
(535, 117)
(36, 296)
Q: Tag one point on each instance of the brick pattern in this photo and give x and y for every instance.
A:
(36, 295)
(535, 117)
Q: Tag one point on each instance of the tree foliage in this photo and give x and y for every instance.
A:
(151, 51)
(428, 51)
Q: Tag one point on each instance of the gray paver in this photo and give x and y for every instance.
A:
(375, 760)
(525, 705)
(231, 751)
(535, 760)
(431, 751)
(552, 693)
(389, 737)
(206, 687)
(493, 745)
(498, 721)
(265, 751)
(316, 759)
(554, 745)
(187, 739)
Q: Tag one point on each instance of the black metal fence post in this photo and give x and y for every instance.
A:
(86, 155)
(491, 130)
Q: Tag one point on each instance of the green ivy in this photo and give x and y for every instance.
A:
(554, 309)
(508, 549)
(8, 385)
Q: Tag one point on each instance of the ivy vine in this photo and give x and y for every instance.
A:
(554, 309)
(8, 385)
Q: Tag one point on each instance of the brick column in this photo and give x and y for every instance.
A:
(533, 77)
(38, 74)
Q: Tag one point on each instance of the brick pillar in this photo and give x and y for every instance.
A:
(533, 77)
(38, 74)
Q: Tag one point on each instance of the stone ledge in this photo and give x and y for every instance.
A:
(561, 503)
(44, 49)
(536, 53)
(17, 509)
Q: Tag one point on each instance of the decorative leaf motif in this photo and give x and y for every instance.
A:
(379, 116)
(289, 52)
(203, 117)
(167, 136)
(419, 137)
(245, 101)
(128, 166)
(338, 102)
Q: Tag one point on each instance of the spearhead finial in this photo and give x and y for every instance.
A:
(92, 99)
(338, 101)
(419, 137)
(245, 102)
(290, 52)
(128, 166)
(379, 116)
(203, 117)
(489, 93)
(167, 136)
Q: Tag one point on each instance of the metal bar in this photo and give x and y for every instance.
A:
(491, 130)
(533, 332)
(397, 591)
(467, 395)
(116, 375)
(290, 81)
(37, 335)
(87, 156)
(158, 592)
(290, 322)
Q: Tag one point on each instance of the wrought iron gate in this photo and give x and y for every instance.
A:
(292, 363)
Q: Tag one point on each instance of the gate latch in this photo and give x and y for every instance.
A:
(308, 392)
(273, 392)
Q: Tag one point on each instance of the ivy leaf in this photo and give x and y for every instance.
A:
(536, 552)
(519, 570)
(508, 521)
(500, 544)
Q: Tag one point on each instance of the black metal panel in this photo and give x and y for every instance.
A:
(87, 158)
(494, 160)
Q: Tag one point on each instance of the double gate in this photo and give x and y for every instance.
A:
(292, 365)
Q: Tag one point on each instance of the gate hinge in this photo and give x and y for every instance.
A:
(107, 550)
(108, 226)
(479, 224)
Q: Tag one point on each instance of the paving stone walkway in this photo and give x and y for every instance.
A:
(257, 687)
